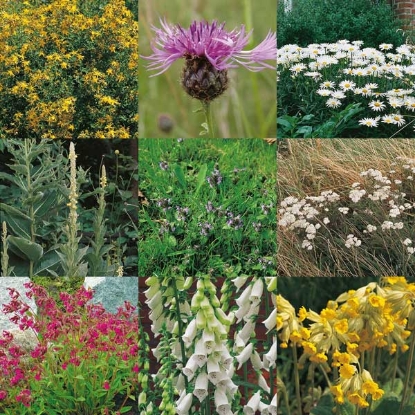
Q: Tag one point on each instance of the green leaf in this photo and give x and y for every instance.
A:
(326, 404)
(124, 409)
(201, 177)
(17, 221)
(390, 405)
(43, 206)
(48, 261)
(25, 248)
(178, 171)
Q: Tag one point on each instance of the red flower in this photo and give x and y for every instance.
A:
(3, 395)
(106, 385)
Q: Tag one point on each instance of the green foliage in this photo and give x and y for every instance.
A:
(206, 240)
(330, 20)
(34, 194)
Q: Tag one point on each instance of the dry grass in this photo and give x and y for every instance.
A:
(308, 167)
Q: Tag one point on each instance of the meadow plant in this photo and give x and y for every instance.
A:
(41, 240)
(207, 216)
(362, 230)
(69, 69)
(354, 356)
(207, 337)
(343, 89)
(209, 51)
(85, 357)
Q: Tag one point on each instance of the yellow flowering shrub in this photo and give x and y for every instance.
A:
(68, 69)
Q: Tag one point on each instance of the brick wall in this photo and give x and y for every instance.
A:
(405, 10)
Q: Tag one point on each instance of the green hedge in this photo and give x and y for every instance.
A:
(327, 21)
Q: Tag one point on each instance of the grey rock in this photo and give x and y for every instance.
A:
(17, 284)
(111, 292)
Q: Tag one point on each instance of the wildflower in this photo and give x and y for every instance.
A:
(215, 179)
(347, 85)
(209, 51)
(377, 105)
(398, 119)
(106, 385)
(163, 165)
(333, 103)
(369, 122)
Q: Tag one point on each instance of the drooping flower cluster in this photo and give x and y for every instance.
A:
(359, 322)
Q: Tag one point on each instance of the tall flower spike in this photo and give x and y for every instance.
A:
(210, 51)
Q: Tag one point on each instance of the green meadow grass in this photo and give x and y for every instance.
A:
(225, 251)
(247, 108)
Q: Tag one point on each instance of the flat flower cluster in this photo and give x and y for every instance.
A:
(363, 322)
(373, 214)
(344, 73)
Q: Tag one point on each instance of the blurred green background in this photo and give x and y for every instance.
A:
(247, 109)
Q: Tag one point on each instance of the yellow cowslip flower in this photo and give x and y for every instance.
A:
(376, 301)
(319, 358)
(305, 333)
(358, 400)
(337, 391)
(302, 314)
(341, 326)
(309, 348)
(369, 387)
(347, 371)
(295, 336)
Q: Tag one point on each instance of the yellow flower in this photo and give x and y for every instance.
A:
(347, 371)
(337, 391)
(341, 326)
(358, 400)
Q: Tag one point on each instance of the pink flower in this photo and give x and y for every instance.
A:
(24, 397)
(3, 395)
(223, 49)
(106, 385)
(135, 368)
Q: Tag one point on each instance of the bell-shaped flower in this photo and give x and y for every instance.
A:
(257, 290)
(242, 311)
(226, 358)
(246, 332)
(256, 361)
(272, 408)
(271, 321)
(190, 333)
(201, 386)
(221, 401)
(244, 355)
(200, 353)
(156, 299)
(271, 356)
(208, 338)
(252, 312)
(262, 383)
(184, 403)
(191, 366)
(239, 282)
(253, 404)
(213, 370)
(244, 297)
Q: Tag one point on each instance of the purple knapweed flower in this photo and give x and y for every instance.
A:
(210, 51)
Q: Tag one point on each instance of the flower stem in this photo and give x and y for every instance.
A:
(297, 379)
(209, 121)
(408, 373)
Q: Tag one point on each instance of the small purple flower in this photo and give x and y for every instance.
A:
(215, 178)
(206, 227)
(164, 203)
(235, 222)
(223, 49)
(182, 213)
(163, 165)
(257, 226)
(209, 51)
(209, 207)
(266, 208)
